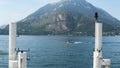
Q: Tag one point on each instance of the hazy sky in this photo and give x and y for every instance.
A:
(15, 10)
(111, 6)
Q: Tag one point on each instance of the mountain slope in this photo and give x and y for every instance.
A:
(66, 17)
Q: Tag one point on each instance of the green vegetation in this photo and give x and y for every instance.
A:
(66, 18)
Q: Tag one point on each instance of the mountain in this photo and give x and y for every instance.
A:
(2, 26)
(66, 17)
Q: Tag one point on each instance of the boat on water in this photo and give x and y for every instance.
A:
(69, 41)
(72, 42)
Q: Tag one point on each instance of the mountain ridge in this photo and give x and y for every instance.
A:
(66, 17)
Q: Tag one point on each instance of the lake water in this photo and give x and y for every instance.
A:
(53, 52)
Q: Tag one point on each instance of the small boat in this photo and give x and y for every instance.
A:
(68, 41)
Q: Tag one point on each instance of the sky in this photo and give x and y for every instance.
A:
(15, 10)
(111, 6)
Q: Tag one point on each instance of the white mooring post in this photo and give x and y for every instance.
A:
(98, 60)
(22, 61)
(12, 45)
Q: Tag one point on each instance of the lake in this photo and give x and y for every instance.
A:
(54, 52)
